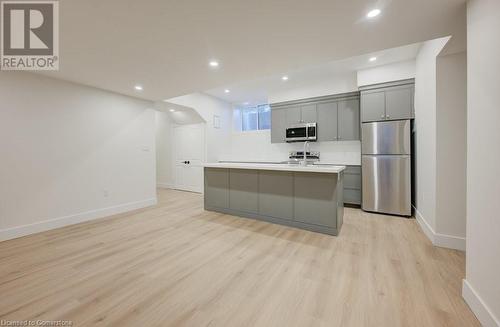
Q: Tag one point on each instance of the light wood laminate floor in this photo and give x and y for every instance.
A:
(176, 265)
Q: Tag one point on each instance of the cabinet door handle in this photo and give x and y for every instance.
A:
(381, 116)
(387, 116)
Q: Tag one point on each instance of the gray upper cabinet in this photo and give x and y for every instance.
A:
(308, 113)
(293, 115)
(327, 118)
(398, 103)
(373, 106)
(348, 120)
(389, 101)
(278, 125)
(337, 117)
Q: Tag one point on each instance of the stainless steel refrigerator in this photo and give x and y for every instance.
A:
(386, 167)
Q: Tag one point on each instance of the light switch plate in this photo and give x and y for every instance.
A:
(216, 121)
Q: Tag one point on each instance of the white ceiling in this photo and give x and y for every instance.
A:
(258, 91)
(165, 45)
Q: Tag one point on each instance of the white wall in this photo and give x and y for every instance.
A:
(164, 150)
(387, 73)
(451, 145)
(218, 140)
(425, 126)
(256, 146)
(482, 284)
(70, 153)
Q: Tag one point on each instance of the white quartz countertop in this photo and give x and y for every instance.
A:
(332, 169)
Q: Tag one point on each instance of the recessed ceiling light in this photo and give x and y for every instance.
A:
(226, 91)
(138, 87)
(373, 58)
(213, 63)
(373, 13)
(171, 110)
(246, 103)
(285, 78)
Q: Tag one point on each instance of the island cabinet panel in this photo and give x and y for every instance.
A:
(243, 190)
(276, 194)
(315, 199)
(216, 187)
(307, 200)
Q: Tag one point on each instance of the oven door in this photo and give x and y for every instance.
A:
(296, 134)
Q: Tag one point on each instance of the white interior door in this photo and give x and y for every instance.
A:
(189, 149)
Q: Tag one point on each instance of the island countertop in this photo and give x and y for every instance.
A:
(332, 169)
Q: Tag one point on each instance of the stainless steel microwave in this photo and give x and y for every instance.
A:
(301, 132)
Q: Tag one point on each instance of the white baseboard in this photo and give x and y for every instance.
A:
(165, 185)
(19, 231)
(438, 239)
(477, 305)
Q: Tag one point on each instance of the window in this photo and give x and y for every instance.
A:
(256, 118)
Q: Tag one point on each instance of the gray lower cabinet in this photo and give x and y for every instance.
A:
(276, 194)
(327, 121)
(348, 120)
(315, 198)
(312, 201)
(352, 185)
(217, 187)
(244, 187)
(278, 123)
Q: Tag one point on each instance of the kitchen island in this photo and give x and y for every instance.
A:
(308, 197)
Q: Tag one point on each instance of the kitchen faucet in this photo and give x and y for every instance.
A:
(304, 161)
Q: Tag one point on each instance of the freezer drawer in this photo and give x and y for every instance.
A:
(387, 184)
(387, 137)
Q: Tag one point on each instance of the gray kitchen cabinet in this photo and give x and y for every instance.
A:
(373, 106)
(293, 115)
(331, 113)
(308, 200)
(398, 102)
(315, 196)
(278, 125)
(308, 113)
(243, 186)
(352, 185)
(388, 101)
(216, 188)
(327, 121)
(276, 194)
(348, 120)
